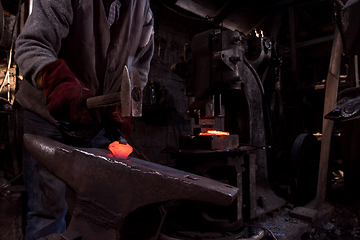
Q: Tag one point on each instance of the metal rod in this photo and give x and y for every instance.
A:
(356, 63)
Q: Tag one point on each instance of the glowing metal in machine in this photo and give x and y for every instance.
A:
(120, 150)
(215, 132)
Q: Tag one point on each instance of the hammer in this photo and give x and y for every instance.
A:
(123, 97)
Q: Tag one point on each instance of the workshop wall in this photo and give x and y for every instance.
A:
(8, 85)
(165, 106)
(10, 122)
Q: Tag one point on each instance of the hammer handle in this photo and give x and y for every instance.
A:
(104, 100)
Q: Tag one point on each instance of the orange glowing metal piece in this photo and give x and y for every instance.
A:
(120, 150)
(215, 132)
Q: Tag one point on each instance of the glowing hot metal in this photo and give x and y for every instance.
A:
(215, 132)
(120, 150)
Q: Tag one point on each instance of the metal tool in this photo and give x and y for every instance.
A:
(108, 189)
(348, 107)
(130, 95)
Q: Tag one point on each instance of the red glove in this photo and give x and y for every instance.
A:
(116, 124)
(66, 95)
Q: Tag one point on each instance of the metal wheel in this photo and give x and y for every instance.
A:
(305, 156)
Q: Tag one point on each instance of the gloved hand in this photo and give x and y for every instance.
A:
(65, 94)
(117, 126)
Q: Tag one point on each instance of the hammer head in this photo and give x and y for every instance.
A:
(131, 93)
(125, 93)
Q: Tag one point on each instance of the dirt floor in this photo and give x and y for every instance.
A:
(344, 222)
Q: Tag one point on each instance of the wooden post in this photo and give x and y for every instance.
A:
(331, 92)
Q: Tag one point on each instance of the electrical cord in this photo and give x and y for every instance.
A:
(15, 178)
(264, 228)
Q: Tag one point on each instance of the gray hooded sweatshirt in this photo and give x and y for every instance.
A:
(78, 32)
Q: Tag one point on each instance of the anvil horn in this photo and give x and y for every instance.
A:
(117, 187)
(334, 114)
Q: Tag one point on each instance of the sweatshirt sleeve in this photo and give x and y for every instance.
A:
(145, 51)
(40, 40)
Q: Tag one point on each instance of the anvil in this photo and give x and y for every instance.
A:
(108, 189)
(348, 107)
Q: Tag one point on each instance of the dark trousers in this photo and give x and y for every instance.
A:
(46, 205)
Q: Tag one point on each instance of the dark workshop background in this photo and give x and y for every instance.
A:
(304, 41)
(303, 35)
